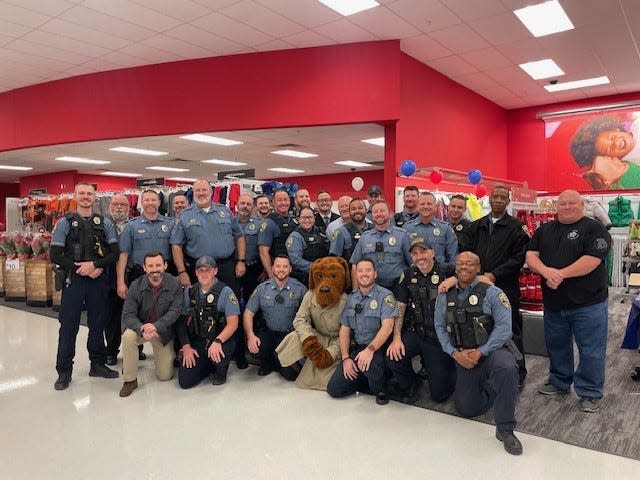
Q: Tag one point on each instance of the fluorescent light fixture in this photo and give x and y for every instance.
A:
(200, 137)
(587, 82)
(544, 18)
(11, 167)
(294, 153)
(82, 160)
(542, 69)
(349, 7)
(121, 174)
(285, 170)
(375, 141)
(182, 179)
(353, 163)
(138, 151)
(168, 169)
(224, 162)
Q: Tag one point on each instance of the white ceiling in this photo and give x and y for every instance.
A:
(477, 43)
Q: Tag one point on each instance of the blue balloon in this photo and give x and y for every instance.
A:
(474, 176)
(408, 168)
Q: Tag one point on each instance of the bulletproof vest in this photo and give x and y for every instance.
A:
(354, 233)
(316, 244)
(207, 321)
(286, 226)
(399, 218)
(467, 325)
(87, 239)
(424, 292)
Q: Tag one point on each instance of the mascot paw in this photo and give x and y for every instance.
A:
(323, 359)
(311, 347)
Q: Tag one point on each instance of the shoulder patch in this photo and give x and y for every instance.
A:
(289, 243)
(525, 229)
(233, 299)
(504, 300)
(335, 234)
(401, 277)
(601, 244)
(263, 226)
(254, 293)
(390, 301)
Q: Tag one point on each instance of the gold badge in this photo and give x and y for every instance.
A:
(96, 220)
(435, 278)
(210, 298)
(504, 300)
(373, 305)
(451, 304)
(252, 226)
(164, 228)
(459, 228)
(436, 232)
(414, 280)
(390, 301)
(233, 299)
(263, 226)
(289, 243)
(221, 214)
(392, 241)
(293, 295)
(312, 239)
(473, 300)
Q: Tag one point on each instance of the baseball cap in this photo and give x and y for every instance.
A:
(420, 242)
(374, 190)
(206, 261)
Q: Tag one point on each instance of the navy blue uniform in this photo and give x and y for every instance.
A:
(440, 236)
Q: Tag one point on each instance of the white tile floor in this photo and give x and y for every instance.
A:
(249, 428)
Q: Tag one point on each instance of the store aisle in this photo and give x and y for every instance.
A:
(251, 427)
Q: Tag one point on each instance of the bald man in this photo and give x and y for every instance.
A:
(343, 210)
(570, 255)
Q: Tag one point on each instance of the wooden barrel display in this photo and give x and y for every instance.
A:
(14, 280)
(39, 283)
(2, 277)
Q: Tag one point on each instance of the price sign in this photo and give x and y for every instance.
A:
(13, 264)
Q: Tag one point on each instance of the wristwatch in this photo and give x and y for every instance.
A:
(217, 340)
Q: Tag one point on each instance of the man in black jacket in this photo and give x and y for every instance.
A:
(501, 241)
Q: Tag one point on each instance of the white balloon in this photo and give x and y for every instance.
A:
(357, 183)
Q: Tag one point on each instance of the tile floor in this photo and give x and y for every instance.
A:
(249, 428)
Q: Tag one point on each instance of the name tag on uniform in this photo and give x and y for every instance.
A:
(141, 230)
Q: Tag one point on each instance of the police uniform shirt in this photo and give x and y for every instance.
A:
(203, 233)
(341, 240)
(295, 246)
(406, 217)
(559, 245)
(439, 234)
(379, 304)
(62, 228)
(250, 230)
(278, 315)
(142, 235)
(227, 302)
(269, 230)
(495, 303)
(393, 260)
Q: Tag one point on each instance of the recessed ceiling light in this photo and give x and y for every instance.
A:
(285, 170)
(138, 151)
(168, 169)
(11, 167)
(294, 153)
(182, 179)
(121, 174)
(353, 163)
(349, 7)
(223, 162)
(587, 82)
(82, 160)
(375, 141)
(200, 137)
(544, 18)
(542, 69)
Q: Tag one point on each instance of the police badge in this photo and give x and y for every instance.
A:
(210, 298)
(373, 305)
(473, 300)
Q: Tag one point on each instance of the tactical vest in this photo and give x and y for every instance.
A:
(467, 325)
(207, 322)
(424, 293)
(286, 226)
(87, 239)
(316, 243)
(398, 218)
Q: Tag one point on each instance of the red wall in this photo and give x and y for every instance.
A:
(337, 184)
(6, 190)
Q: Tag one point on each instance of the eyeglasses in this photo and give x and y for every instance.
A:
(279, 299)
(358, 308)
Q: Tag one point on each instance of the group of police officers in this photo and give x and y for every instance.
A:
(129, 272)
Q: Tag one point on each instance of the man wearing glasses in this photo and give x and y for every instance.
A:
(324, 215)
(278, 300)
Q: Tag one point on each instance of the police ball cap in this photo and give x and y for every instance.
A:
(206, 261)
(420, 242)
(374, 190)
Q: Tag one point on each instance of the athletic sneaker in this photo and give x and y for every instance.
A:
(590, 404)
(549, 389)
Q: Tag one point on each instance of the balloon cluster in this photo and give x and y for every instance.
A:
(475, 177)
(270, 187)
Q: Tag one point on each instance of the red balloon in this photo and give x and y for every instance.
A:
(480, 190)
(435, 177)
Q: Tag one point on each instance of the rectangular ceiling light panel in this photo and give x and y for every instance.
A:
(544, 18)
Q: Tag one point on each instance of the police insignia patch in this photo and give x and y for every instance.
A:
(221, 214)
(435, 278)
(601, 244)
(335, 234)
(263, 226)
(373, 305)
(210, 298)
(292, 295)
(289, 242)
(504, 300)
(233, 299)
(402, 277)
(254, 293)
(390, 301)
(96, 220)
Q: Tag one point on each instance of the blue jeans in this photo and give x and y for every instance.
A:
(588, 327)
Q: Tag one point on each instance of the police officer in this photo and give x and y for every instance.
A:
(370, 312)
(83, 245)
(410, 210)
(278, 300)
(385, 245)
(439, 234)
(206, 332)
(501, 241)
(343, 209)
(455, 215)
(302, 199)
(179, 202)
(263, 207)
(250, 227)
(275, 230)
(347, 236)
(414, 332)
(208, 229)
(473, 323)
(305, 245)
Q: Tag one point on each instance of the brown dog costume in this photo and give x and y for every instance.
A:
(317, 324)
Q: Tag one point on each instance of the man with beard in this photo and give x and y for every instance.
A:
(152, 306)
(263, 207)
(275, 230)
(302, 199)
(178, 204)
(410, 209)
(385, 245)
(347, 237)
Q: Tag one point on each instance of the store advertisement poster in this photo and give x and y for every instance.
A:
(598, 151)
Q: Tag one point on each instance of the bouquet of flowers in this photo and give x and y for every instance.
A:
(40, 245)
(7, 247)
(23, 245)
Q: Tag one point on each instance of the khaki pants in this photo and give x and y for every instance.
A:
(163, 356)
